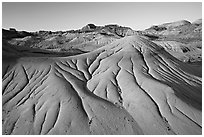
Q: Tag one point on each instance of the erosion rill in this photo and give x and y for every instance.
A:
(130, 86)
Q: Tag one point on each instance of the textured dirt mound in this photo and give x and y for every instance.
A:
(183, 34)
(131, 86)
(87, 39)
(191, 52)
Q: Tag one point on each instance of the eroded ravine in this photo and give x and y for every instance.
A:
(131, 86)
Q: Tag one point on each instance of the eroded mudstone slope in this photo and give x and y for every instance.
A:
(131, 86)
(181, 39)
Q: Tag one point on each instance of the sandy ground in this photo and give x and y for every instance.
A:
(131, 86)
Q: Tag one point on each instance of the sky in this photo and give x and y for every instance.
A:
(63, 16)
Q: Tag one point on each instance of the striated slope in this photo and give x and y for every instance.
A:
(191, 52)
(87, 39)
(131, 86)
(181, 39)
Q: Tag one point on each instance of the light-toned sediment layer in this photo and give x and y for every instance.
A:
(131, 86)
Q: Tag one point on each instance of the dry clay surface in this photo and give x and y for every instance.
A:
(131, 86)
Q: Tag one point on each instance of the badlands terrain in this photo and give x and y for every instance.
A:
(103, 80)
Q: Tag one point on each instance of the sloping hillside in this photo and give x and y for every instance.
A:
(130, 86)
(89, 38)
(181, 39)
